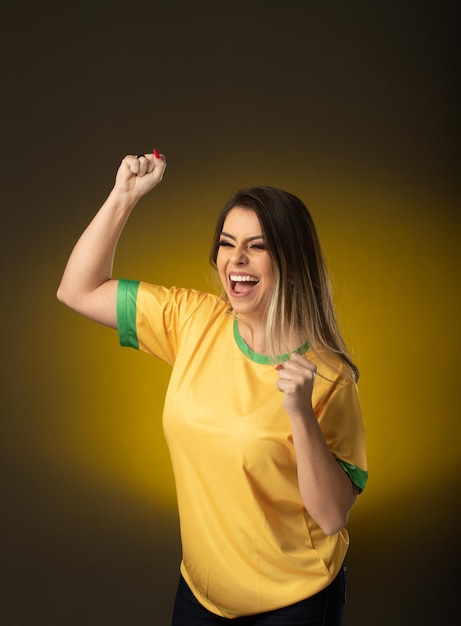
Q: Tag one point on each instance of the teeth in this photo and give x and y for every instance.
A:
(243, 279)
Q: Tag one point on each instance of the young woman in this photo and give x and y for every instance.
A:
(262, 416)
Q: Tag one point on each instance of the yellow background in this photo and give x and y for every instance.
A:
(351, 108)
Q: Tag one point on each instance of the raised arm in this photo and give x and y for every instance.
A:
(87, 285)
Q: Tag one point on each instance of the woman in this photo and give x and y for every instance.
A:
(265, 480)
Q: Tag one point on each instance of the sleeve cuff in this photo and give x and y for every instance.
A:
(358, 476)
(127, 293)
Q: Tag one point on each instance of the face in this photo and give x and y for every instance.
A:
(244, 265)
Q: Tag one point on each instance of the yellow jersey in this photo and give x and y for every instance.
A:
(249, 545)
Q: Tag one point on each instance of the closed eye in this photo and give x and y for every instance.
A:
(223, 243)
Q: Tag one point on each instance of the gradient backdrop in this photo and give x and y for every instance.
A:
(350, 105)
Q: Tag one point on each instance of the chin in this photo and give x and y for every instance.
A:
(242, 308)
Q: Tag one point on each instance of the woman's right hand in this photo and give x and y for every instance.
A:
(138, 175)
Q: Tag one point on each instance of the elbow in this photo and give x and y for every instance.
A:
(67, 297)
(335, 517)
(95, 305)
(62, 296)
(333, 527)
(332, 514)
(332, 523)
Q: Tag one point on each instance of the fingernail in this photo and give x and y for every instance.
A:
(279, 366)
(156, 154)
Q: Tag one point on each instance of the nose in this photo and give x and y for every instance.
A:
(239, 256)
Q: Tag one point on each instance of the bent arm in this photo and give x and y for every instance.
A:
(326, 490)
(87, 285)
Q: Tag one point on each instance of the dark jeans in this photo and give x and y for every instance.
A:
(324, 609)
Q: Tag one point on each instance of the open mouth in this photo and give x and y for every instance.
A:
(242, 284)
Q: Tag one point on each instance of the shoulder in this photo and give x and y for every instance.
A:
(331, 368)
(181, 300)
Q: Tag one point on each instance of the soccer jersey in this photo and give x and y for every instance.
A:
(249, 545)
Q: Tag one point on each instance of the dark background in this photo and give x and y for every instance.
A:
(353, 106)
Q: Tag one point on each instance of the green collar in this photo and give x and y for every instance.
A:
(263, 358)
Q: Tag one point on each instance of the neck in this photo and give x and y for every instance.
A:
(253, 334)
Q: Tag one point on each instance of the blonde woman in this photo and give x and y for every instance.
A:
(261, 416)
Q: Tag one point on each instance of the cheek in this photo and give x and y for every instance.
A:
(269, 272)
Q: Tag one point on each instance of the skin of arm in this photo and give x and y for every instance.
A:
(327, 492)
(87, 285)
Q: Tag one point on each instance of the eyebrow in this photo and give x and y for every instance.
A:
(224, 234)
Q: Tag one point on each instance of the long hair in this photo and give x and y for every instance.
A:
(302, 298)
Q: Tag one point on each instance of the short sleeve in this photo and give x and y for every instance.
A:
(340, 418)
(152, 318)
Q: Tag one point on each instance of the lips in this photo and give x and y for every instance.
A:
(242, 284)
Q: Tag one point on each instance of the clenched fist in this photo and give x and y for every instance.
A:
(138, 175)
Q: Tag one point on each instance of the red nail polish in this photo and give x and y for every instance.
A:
(279, 366)
(156, 154)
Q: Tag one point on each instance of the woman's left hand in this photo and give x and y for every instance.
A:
(296, 381)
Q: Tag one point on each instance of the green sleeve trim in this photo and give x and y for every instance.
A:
(358, 476)
(127, 293)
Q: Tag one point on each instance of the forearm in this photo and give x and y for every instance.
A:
(327, 492)
(90, 264)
